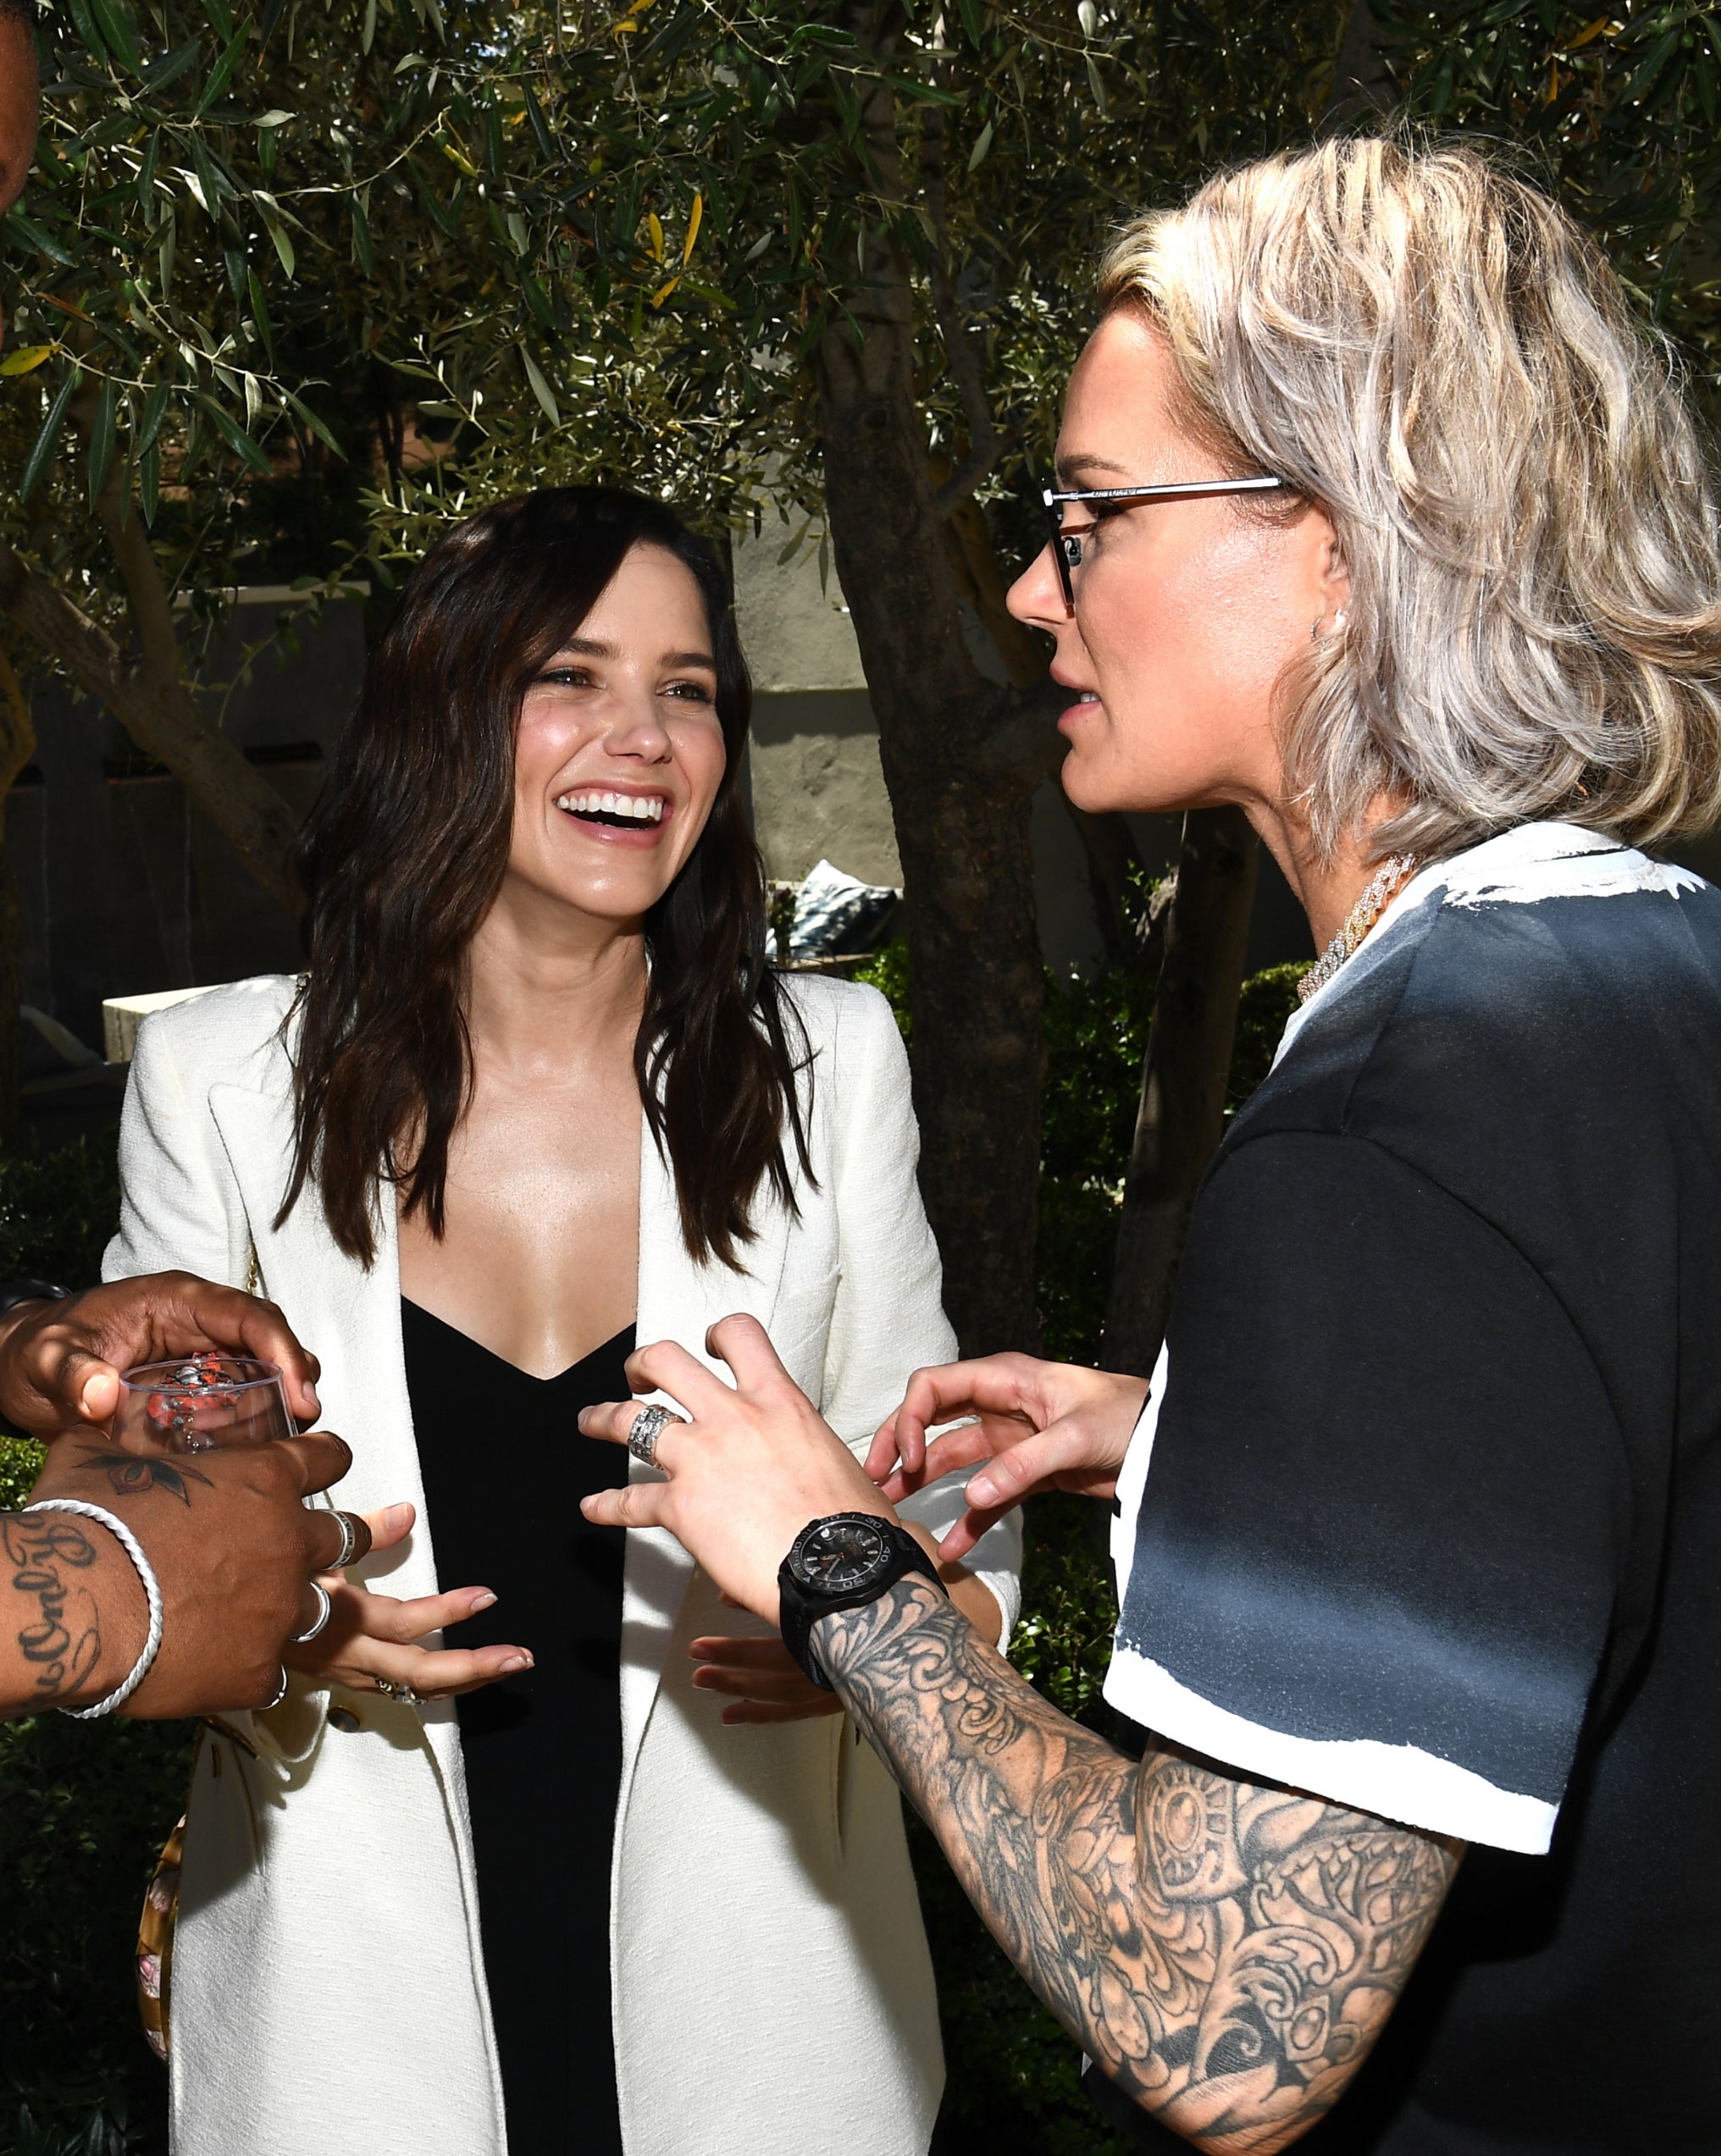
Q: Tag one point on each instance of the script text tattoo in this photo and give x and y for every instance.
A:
(62, 1640)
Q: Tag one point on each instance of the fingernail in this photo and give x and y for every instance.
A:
(85, 1402)
(700, 1651)
(980, 1491)
(316, 1404)
(516, 1661)
(397, 1516)
(481, 1600)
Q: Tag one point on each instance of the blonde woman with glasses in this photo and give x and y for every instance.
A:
(1379, 514)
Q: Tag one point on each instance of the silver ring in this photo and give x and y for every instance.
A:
(303, 1639)
(404, 1692)
(279, 1695)
(349, 1542)
(645, 1430)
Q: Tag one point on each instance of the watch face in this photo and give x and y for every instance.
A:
(838, 1556)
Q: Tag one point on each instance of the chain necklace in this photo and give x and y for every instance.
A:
(1394, 875)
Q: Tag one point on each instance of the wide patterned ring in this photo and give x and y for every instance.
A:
(643, 1435)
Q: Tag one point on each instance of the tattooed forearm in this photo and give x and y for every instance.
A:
(1226, 1951)
(55, 1626)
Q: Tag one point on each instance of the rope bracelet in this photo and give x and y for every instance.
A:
(134, 1550)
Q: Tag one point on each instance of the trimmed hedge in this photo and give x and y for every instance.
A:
(83, 1809)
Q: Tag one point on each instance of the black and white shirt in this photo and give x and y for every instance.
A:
(1425, 1513)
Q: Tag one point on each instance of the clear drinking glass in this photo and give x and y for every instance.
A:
(201, 1403)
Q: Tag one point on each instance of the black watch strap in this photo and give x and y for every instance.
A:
(800, 1609)
(13, 1292)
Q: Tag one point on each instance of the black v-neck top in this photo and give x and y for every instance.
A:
(542, 1750)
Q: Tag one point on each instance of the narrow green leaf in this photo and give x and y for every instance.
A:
(43, 450)
(982, 143)
(316, 425)
(153, 413)
(235, 436)
(149, 481)
(222, 73)
(159, 74)
(278, 232)
(1095, 85)
(259, 313)
(540, 387)
(540, 127)
(209, 190)
(25, 231)
(79, 10)
(1088, 16)
(367, 37)
(146, 176)
(361, 236)
(116, 33)
(971, 22)
(101, 440)
(221, 15)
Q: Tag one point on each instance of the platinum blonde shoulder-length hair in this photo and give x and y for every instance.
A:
(1436, 353)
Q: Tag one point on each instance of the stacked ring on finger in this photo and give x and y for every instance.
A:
(349, 1526)
(644, 1431)
(324, 1605)
(404, 1692)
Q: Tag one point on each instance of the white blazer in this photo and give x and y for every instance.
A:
(769, 1969)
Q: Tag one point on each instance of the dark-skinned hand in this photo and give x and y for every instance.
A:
(60, 1362)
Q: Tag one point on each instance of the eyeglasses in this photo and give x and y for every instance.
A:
(1066, 547)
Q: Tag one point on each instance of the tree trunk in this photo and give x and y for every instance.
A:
(1362, 81)
(962, 757)
(162, 717)
(1182, 1108)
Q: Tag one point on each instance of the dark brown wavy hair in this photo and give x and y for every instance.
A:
(403, 854)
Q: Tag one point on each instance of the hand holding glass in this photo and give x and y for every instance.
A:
(201, 1403)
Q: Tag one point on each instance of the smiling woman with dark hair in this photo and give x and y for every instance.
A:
(538, 1088)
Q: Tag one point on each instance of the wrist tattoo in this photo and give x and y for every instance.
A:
(1226, 1951)
(62, 1642)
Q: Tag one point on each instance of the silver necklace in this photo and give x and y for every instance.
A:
(1394, 875)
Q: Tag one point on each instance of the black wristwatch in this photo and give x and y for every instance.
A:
(839, 1563)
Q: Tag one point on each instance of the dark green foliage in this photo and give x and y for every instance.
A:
(1096, 1036)
(58, 1211)
(84, 1810)
(1615, 111)
(1265, 1004)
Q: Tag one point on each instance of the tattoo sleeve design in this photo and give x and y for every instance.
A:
(61, 1642)
(1228, 1952)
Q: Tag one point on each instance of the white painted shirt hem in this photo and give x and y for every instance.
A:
(1396, 1782)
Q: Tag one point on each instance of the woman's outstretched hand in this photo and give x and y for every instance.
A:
(760, 1679)
(1036, 1425)
(369, 1637)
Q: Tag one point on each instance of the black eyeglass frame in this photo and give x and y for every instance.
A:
(1170, 491)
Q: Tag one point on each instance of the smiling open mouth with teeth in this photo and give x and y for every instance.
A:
(619, 810)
